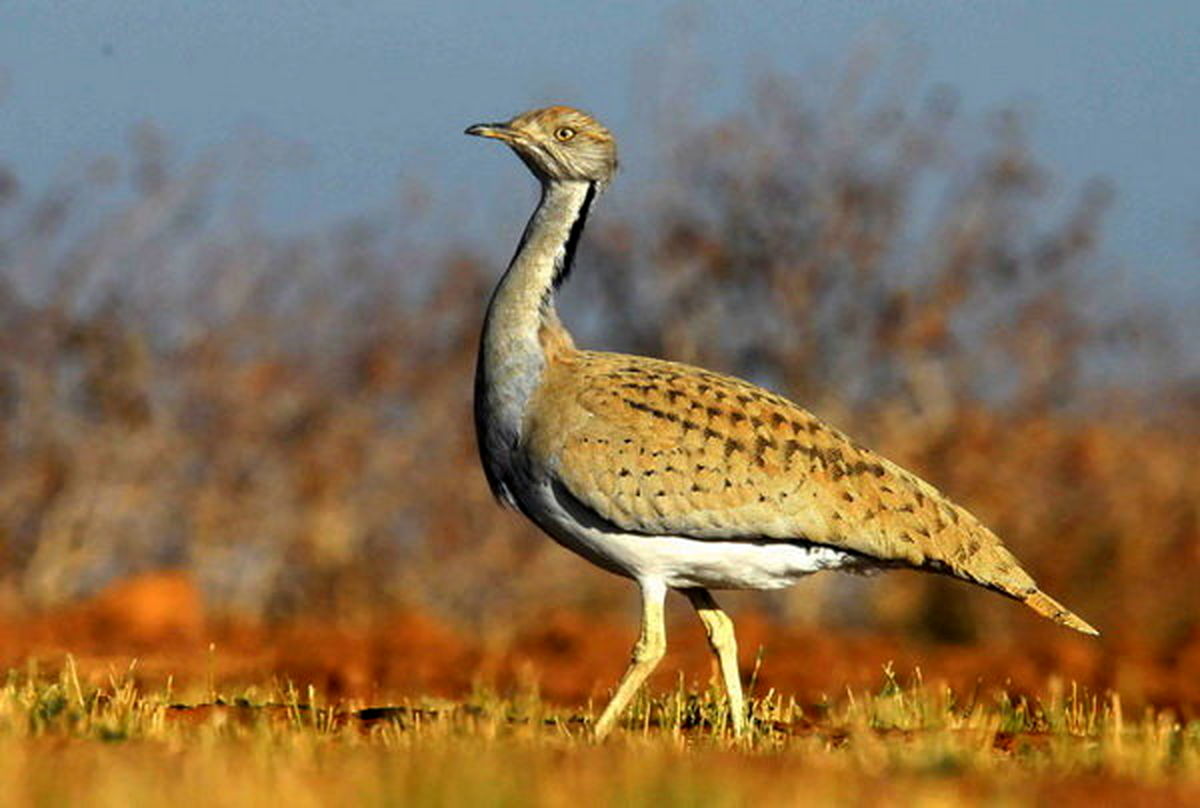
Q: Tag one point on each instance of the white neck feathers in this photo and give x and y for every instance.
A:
(511, 355)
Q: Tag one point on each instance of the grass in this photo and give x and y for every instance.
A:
(65, 742)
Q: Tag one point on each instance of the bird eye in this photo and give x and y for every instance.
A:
(564, 133)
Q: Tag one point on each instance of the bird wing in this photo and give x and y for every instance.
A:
(662, 448)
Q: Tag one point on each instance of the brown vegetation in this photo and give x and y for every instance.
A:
(287, 421)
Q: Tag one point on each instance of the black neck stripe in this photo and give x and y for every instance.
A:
(568, 256)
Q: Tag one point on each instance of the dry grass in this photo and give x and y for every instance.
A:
(63, 742)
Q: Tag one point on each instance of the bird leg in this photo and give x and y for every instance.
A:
(724, 644)
(648, 651)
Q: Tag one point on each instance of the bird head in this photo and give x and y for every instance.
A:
(558, 143)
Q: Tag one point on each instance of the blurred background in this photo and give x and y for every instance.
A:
(244, 253)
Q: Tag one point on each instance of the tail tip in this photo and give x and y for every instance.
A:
(1050, 608)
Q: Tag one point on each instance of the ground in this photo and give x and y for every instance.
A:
(912, 742)
(134, 698)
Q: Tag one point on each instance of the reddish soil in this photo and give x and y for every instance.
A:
(159, 621)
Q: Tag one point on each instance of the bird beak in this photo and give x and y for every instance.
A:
(499, 131)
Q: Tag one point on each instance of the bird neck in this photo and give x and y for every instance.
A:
(522, 324)
(523, 302)
(522, 332)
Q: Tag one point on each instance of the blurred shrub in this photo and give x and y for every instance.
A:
(289, 419)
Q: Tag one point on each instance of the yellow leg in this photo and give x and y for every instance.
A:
(647, 653)
(724, 645)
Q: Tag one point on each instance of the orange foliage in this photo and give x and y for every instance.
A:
(287, 422)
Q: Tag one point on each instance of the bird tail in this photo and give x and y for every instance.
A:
(1050, 608)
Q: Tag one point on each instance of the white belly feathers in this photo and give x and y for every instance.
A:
(679, 562)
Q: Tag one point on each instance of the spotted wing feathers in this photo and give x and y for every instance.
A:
(662, 448)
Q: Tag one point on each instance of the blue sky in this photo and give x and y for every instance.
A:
(373, 92)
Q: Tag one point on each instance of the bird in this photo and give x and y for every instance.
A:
(674, 476)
